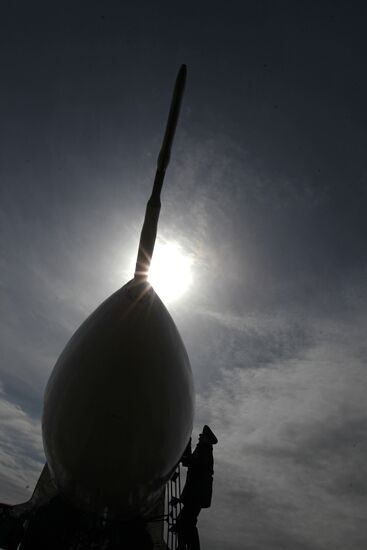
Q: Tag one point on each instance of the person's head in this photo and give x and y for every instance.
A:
(207, 436)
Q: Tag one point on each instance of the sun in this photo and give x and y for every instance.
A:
(170, 271)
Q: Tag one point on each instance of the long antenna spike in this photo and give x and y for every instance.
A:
(149, 230)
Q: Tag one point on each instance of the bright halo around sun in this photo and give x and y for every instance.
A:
(170, 271)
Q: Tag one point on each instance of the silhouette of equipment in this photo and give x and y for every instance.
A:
(59, 526)
(12, 529)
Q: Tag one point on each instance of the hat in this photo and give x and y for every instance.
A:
(209, 435)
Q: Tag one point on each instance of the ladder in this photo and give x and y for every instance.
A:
(173, 507)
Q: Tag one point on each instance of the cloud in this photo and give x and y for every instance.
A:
(290, 463)
(21, 452)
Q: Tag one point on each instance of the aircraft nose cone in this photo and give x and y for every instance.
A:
(118, 407)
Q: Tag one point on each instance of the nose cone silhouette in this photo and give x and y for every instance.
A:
(118, 407)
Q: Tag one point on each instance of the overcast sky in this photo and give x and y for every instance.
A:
(266, 191)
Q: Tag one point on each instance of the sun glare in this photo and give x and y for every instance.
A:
(170, 271)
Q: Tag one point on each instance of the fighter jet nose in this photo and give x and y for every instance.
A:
(118, 408)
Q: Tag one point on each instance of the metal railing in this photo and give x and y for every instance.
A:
(173, 507)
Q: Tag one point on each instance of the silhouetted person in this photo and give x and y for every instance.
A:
(197, 493)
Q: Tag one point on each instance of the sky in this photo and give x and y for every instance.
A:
(266, 193)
